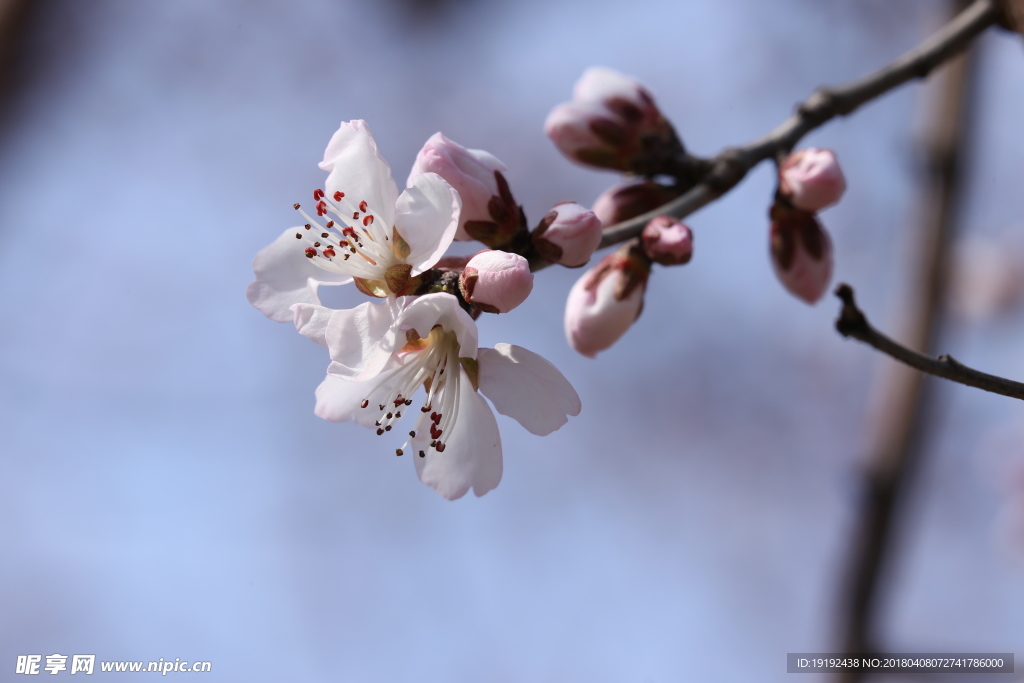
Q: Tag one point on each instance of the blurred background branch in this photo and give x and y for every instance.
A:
(900, 434)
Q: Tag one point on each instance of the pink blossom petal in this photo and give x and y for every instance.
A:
(469, 171)
(472, 454)
(427, 216)
(422, 313)
(339, 399)
(284, 276)
(360, 340)
(311, 321)
(357, 169)
(527, 388)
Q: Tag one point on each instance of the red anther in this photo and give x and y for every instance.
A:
(295, 206)
(399, 401)
(362, 206)
(298, 235)
(398, 451)
(408, 401)
(422, 454)
(365, 403)
(425, 409)
(413, 434)
(322, 205)
(388, 428)
(317, 194)
(349, 232)
(307, 226)
(338, 196)
(330, 224)
(329, 252)
(325, 235)
(436, 417)
(316, 244)
(320, 212)
(310, 252)
(368, 220)
(440, 447)
(435, 433)
(379, 432)
(355, 215)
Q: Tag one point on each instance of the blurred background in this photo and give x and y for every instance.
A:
(166, 491)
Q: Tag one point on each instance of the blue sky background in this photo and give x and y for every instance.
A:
(166, 491)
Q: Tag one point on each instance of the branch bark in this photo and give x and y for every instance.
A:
(853, 323)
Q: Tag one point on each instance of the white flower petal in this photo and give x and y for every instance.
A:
(472, 454)
(361, 340)
(284, 276)
(427, 216)
(339, 399)
(357, 169)
(423, 312)
(311, 321)
(527, 388)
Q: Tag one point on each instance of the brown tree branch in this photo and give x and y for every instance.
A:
(853, 323)
(732, 165)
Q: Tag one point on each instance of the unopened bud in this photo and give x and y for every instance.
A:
(801, 253)
(811, 179)
(624, 201)
(613, 122)
(569, 235)
(496, 281)
(606, 300)
(489, 211)
(667, 241)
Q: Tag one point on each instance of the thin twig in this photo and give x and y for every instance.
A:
(732, 165)
(853, 323)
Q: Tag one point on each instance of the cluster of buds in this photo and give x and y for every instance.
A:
(612, 122)
(809, 180)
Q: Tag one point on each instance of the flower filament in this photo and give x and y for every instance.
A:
(361, 236)
(432, 362)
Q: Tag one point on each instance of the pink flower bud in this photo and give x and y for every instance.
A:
(613, 123)
(622, 202)
(605, 301)
(667, 241)
(811, 179)
(488, 207)
(569, 235)
(801, 253)
(496, 281)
